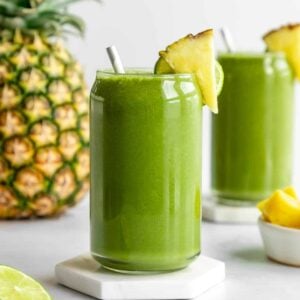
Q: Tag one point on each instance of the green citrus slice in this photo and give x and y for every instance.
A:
(162, 67)
(219, 77)
(15, 285)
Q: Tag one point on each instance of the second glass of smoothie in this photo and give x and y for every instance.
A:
(252, 134)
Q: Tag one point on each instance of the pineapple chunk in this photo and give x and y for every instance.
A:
(261, 206)
(195, 54)
(282, 208)
(286, 39)
(291, 191)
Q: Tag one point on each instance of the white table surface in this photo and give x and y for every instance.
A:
(35, 246)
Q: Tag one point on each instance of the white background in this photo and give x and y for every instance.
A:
(139, 28)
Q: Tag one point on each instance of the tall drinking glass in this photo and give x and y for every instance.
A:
(252, 134)
(145, 171)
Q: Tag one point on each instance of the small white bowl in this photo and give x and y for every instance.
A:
(282, 244)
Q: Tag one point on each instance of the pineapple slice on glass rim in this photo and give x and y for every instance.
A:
(195, 54)
(286, 39)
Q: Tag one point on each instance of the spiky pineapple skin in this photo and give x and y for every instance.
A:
(44, 127)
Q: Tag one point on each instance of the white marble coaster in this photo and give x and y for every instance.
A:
(216, 212)
(85, 275)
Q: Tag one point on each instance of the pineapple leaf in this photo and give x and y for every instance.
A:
(12, 23)
(52, 21)
(75, 22)
(46, 16)
(20, 3)
(57, 4)
(8, 8)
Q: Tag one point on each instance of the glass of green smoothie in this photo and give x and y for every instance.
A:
(145, 171)
(146, 157)
(252, 134)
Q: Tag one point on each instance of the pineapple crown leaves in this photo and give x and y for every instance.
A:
(49, 17)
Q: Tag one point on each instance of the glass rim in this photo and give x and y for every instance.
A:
(250, 54)
(140, 72)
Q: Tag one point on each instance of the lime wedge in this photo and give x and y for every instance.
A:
(219, 77)
(15, 285)
(162, 67)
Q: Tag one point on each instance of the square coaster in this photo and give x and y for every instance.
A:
(85, 275)
(219, 213)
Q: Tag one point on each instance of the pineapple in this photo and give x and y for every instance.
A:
(194, 54)
(44, 121)
(286, 39)
(282, 208)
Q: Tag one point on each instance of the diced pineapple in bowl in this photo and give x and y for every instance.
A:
(279, 226)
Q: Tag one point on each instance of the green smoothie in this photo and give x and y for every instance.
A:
(252, 134)
(145, 171)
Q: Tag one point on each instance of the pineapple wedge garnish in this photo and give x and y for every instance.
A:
(282, 208)
(195, 54)
(162, 67)
(286, 39)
